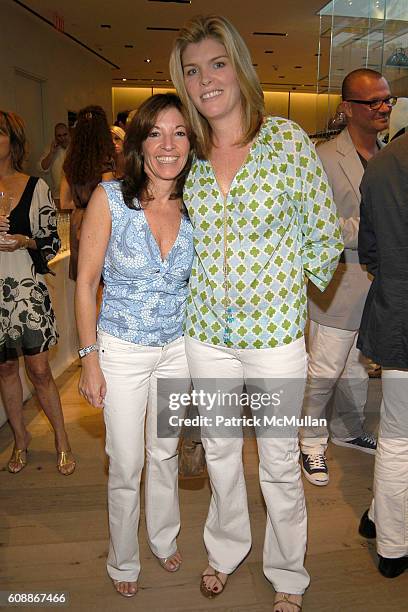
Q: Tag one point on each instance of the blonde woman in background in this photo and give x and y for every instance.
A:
(263, 216)
(118, 138)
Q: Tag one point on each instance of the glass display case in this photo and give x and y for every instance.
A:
(362, 34)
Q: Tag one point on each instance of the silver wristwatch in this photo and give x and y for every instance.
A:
(83, 352)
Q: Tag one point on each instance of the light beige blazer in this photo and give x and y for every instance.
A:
(341, 304)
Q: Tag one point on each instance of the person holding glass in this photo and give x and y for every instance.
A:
(263, 217)
(136, 233)
(28, 241)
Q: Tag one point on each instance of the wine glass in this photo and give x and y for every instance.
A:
(5, 204)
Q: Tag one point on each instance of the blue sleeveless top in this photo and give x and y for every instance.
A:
(144, 297)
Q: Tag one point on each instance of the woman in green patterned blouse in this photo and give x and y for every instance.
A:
(263, 218)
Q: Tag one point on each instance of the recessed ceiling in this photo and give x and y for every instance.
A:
(143, 28)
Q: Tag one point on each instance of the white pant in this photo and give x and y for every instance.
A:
(389, 509)
(131, 372)
(227, 534)
(336, 367)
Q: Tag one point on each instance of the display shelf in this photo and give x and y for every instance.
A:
(362, 34)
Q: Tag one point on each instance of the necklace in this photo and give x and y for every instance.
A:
(228, 314)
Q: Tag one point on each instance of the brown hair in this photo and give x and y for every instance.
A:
(135, 184)
(90, 153)
(253, 109)
(12, 125)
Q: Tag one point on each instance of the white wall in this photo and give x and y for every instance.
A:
(70, 76)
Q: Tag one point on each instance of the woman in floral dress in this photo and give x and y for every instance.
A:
(28, 241)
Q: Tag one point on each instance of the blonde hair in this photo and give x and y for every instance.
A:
(252, 100)
(118, 131)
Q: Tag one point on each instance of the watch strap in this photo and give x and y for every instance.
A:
(83, 352)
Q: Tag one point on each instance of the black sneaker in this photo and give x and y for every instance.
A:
(391, 568)
(366, 443)
(315, 469)
(367, 527)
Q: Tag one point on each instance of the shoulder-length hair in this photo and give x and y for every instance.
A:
(135, 184)
(91, 149)
(12, 125)
(252, 99)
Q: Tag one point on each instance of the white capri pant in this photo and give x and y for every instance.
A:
(131, 372)
(227, 534)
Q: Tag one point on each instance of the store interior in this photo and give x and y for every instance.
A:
(57, 57)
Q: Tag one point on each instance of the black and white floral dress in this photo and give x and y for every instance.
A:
(27, 321)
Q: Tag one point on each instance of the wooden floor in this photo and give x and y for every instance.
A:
(54, 537)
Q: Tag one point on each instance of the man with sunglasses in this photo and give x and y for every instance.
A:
(337, 369)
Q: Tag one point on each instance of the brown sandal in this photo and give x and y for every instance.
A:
(209, 593)
(285, 599)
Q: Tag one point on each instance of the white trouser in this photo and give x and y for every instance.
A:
(227, 534)
(131, 372)
(336, 366)
(389, 509)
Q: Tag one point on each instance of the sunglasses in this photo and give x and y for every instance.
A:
(376, 104)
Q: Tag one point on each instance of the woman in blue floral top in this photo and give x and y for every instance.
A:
(28, 241)
(137, 235)
(263, 218)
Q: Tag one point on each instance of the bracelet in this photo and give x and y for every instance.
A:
(83, 352)
(27, 242)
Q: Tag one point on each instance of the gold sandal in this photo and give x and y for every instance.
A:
(163, 563)
(116, 583)
(209, 593)
(19, 458)
(285, 599)
(66, 463)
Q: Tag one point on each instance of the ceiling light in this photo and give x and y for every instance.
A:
(147, 60)
(173, 1)
(159, 29)
(269, 33)
(124, 79)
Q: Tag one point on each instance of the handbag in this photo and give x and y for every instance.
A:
(191, 460)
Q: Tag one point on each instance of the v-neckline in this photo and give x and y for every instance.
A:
(22, 195)
(162, 259)
(239, 170)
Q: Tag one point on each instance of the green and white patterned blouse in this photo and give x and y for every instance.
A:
(277, 224)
